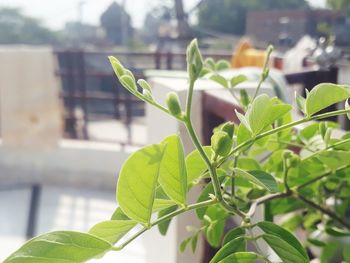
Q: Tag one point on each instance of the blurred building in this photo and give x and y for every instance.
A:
(286, 27)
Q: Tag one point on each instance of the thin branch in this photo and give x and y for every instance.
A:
(263, 200)
(164, 218)
(322, 209)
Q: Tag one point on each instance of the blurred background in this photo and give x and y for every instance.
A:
(66, 124)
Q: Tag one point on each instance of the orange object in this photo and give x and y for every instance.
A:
(245, 55)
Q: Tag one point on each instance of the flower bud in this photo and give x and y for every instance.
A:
(229, 128)
(173, 103)
(194, 60)
(221, 143)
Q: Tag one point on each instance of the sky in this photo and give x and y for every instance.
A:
(55, 13)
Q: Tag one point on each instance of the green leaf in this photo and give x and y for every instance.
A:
(334, 159)
(137, 183)
(194, 241)
(300, 102)
(163, 227)
(259, 178)
(235, 245)
(264, 111)
(112, 230)
(316, 242)
(119, 215)
(337, 232)
(128, 82)
(222, 64)
(195, 165)
(233, 234)
(284, 250)
(243, 121)
(117, 66)
(172, 177)
(160, 204)
(237, 80)
(220, 80)
(184, 244)
(273, 229)
(240, 257)
(346, 253)
(60, 247)
(204, 196)
(330, 252)
(216, 226)
(324, 95)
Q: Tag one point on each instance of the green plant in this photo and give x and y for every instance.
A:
(249, 165)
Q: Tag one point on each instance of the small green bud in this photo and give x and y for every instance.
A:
(117, 66)
(194, 60)
(209, 63)
(128, 82)
(221, 143)
(144, 85)
(265, 74)
(173, 103)
(287, 154)
(244, 98)
(229, 128)
(293, 161)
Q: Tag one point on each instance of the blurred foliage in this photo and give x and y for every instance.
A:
(16, 28)
(229, 16)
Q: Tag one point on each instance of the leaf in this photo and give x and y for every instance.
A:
(237, 80)
(119, 215)
(284, 250)
(195, 165)
(259, 178)
(264, 111)
(117, 66)
(60, 247)
(172, 172)
(112, 230)
(184, 244)
(163, 227)
(316, 242)
(233, 233)
(337, 232)
(347, 107)
(273, 229)
(243, 121)
(194, 241)
(235, 245)
(222, 64)
(241, 257)
(204, 195)
(160, 204)
(324, 95)
(334, 159)
(137, 183)
(300, 102)
(216, 226)
(220, 80)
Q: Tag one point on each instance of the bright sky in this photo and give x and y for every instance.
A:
(55, 13)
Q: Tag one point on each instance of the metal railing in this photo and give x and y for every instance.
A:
(91, 92)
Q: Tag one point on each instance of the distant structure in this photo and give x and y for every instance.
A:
(286, 27)
(117, 24)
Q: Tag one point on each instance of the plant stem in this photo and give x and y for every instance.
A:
(285, 175)
(262, 77)
(322, 209)
(164, 218)
(235, 159)
(264, 199)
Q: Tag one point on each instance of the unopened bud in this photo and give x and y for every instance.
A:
(221, 143)
(128, 82)
(117, 66)
(173, 103)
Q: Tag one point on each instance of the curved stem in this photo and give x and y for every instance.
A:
(164, 218)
